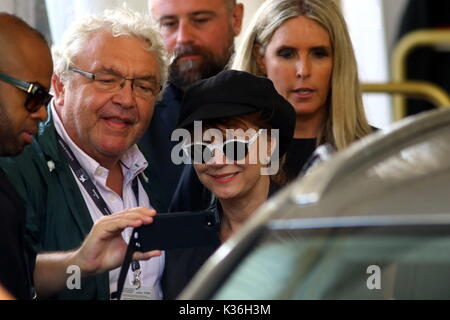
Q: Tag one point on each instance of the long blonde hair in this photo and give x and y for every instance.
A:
(346, 121)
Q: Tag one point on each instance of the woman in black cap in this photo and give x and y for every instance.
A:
(246, 129)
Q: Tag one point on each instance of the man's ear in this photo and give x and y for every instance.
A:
(58, 88)
(237, 17)
(259, 58)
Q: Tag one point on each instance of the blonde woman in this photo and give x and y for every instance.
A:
(304, 47)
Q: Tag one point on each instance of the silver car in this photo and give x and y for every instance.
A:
(373, 222)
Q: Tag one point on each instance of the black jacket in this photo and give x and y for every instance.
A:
(156, 142)
(17, 259)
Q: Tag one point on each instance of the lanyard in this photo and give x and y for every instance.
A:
(93, 192)
(86, 181)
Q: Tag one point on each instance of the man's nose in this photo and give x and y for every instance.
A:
(41, 114)
(186, 33)
(124, 95)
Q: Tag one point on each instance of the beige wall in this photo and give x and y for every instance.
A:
(393, 11)
(250, 7)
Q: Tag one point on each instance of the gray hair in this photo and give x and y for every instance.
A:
(121, 21)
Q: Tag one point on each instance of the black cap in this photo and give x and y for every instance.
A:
(233, 93)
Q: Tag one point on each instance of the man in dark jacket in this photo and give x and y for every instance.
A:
(25, 72)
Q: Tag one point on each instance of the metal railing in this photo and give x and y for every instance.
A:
(411, 41)
(414, 89)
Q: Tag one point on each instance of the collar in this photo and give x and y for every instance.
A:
(172, 91)
(45, 141)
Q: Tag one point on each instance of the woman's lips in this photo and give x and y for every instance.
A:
(303, 93)
(224, 178)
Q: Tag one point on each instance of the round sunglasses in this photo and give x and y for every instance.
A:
(37, 96)
(233, 149)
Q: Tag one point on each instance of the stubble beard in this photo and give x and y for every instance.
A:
(183, 73)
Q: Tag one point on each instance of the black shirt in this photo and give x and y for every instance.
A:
(300, 150)
(17, 259)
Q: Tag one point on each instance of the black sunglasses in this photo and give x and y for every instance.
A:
(233, 149)
(37, 97)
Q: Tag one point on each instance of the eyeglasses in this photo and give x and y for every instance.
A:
(233, 149)
(146, 88)
(37, 97)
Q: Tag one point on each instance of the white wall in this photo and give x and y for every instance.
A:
(250, 7)
(393, 11)
(365, 22)
(23, 8)
(62, 12)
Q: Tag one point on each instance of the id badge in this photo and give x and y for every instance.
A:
(142, 293)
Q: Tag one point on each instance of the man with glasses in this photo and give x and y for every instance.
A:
(84, 163)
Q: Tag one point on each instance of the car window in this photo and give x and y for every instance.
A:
(395, 262)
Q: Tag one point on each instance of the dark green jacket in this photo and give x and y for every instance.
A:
(57, 216)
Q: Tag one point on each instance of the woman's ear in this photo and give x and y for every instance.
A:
(58, 88)
(259, 57)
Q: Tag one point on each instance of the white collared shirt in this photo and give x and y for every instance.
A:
(133, 164)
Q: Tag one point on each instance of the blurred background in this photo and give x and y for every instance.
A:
(376, 28)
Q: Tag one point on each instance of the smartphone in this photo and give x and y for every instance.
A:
(178, 230)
